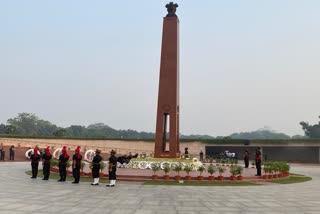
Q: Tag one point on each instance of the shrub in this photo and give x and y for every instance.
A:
(201, 169)
(221, 170)
(177, 168)
(233, 170)
(218, 160)
(82, 165)
(223, 161)
(102, 166)
(155, 168)
(68, 163)
(211, 169)
(187, 169)
(286, 167)
(276, 166)
(239, 170)
(166, 169)
(266, 169)
(54, 162)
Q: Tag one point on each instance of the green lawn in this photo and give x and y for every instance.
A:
(294, 174)
(292, 180)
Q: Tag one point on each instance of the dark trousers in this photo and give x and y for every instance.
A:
(63, 171)
(246, 162)
(46, 171)
(76, 174)
(258, 165)
(96, 170)
(34, 167)
(11, 156)
(112, 173)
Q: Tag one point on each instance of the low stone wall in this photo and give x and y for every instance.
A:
(121, 146)
(276, 151)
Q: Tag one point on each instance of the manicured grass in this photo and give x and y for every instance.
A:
(55, 176)
(199, 183)
(294, 174)
(292, 180)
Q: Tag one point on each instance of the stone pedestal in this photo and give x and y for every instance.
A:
(167, 127)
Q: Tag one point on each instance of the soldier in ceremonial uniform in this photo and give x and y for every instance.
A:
(46, 158)
(63, 158)
(11, 153)
(2, 153)
(246, 158)
(35, 157)
(258, 161)
(76, 165)
(112, 169)
(96, 167)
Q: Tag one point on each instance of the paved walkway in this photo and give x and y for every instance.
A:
(21, 195)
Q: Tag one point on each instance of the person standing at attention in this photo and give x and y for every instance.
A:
(35, 157)
(258, 161)
(76, 165)
(246, 158)
(96, 167)
(11, 153)
(63, 158)
(112, 169)
(2, 153)
(46, 158)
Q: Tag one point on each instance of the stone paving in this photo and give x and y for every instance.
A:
(21, 195)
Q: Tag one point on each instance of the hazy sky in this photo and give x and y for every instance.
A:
(244, 64)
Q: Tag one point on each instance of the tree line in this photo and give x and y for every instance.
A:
(28, 124)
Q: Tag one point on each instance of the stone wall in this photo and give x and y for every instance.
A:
(121, 146)
(301, 151)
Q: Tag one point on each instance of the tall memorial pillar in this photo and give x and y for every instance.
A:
(167, 126)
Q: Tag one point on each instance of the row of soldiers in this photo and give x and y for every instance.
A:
(3, 153)
(76, 165)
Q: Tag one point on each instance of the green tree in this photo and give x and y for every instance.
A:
(60, 132)
(76, 131)
(7, 129)
(2, 129)
(260, 134)
(312, 131)
(10, 129)
(45, 128)
(25, 123)
(30, 124)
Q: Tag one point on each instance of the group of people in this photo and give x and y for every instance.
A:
(46, 157)
(257, 160)
(3, 153)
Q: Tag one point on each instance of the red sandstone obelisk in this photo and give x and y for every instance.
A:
(168, 98)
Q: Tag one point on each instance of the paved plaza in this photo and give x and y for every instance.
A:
(20, 195)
